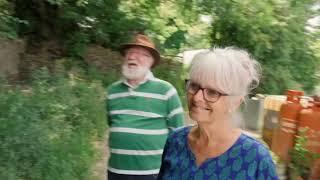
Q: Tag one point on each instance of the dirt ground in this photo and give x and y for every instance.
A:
(100, 167)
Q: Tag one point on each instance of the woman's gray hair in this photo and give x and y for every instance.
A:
(229, 70)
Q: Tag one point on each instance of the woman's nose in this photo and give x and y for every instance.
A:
(198, 96)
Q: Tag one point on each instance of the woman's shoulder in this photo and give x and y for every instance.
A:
(180, 131)
(179, 134)
(254, 146)
(256, 154)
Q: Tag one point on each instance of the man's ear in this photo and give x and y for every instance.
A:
(152, 62)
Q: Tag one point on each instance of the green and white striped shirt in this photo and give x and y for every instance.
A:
(140, 119)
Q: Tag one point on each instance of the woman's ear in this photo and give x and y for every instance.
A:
(235, 103)
(241, 100)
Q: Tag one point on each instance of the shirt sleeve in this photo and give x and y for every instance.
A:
(266, 168)
(175, 111)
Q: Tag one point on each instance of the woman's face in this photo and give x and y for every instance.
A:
(205, 103)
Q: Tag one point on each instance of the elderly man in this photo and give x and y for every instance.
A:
(141, 111)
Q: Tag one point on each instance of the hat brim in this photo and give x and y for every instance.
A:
(155, 53)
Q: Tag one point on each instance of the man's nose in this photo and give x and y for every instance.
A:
(131, 56)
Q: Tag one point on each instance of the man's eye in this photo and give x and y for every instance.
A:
(145, 54)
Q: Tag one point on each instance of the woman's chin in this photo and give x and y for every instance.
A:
(199, 119)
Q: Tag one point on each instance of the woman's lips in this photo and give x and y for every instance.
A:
(199, 108)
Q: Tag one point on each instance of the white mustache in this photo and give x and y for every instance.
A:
(136, 72)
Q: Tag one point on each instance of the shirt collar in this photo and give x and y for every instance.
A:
(149, 76)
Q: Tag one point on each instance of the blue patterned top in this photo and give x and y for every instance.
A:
(245, 159)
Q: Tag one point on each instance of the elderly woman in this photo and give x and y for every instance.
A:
(215, 148)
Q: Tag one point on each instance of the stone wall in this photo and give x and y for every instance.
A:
(17, 63)
(102, 58)
(10, 55)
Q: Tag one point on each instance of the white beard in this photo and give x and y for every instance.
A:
(135, 73)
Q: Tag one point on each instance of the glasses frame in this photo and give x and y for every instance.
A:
(204, 90)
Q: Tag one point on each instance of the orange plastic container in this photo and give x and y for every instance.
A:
(310, 119)
(283, 137)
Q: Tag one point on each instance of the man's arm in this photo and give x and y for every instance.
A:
(175, 110)
(107, 110)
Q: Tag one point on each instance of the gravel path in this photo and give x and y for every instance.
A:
(99, 168)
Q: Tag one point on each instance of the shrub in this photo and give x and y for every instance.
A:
(301, 158)
(46, 131)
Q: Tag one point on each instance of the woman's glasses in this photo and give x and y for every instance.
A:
(209, 95)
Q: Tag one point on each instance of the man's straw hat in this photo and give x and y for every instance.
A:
(145, 42)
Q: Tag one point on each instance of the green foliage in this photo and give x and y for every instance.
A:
(8, 23)
(77, 44)
(106, 78)
(274, 32)
(47, 130)
(88, 72)
(174, 25)
(172, 71)
(301, 158)
(92, 21)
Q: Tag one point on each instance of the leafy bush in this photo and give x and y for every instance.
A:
(173, 71)
(47, 130)
(301, 158)
(8, 23)
(106, 78)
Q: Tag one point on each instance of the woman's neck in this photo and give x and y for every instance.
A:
(212, 140)
(215, 132)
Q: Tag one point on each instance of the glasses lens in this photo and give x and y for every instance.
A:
(211, 95)
(192, 87)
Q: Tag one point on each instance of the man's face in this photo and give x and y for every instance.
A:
(137, 62)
